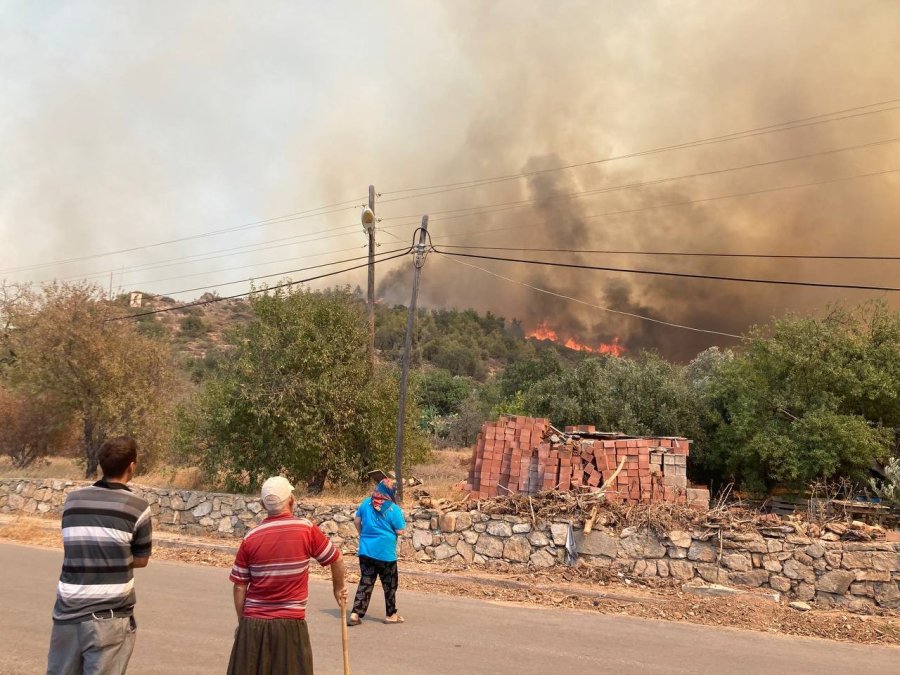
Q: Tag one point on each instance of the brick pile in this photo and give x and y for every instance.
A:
(518, 454)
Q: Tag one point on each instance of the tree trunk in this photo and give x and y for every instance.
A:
(316, 484)
(91, 448)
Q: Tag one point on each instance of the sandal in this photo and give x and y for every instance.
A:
(353, 619)
(399, 619)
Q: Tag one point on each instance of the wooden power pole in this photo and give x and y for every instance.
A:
(407, 347)
(371, 294)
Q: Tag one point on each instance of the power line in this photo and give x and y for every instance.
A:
(683, 275)
(286, 284)
(300, 215)
(589, 304)
(242, 267)
(212, 255)
(227, 253)
(772, 128)
(281, 274)
(680, 253)
(650, 207)
(658, 181)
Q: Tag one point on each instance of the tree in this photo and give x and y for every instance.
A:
(439, 389)
(645, 395)
(807, 399)
(519, 375)
(295, 397)
(32, 428)
(465, 425)
(14, 298)
(72, 347)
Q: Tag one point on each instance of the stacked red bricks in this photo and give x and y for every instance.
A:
(523, 454)
(512, 456)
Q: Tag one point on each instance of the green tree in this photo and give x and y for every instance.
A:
(71, 347)
(808, 399)
(642, 395)
(537, 365)
(442, 391)
(193, 326)
(295, 396)
(465, 425)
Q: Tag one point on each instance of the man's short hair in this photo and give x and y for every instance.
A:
(117, 454)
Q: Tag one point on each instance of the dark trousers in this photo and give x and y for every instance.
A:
(370, 570)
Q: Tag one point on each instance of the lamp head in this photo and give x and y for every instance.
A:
(367, 218)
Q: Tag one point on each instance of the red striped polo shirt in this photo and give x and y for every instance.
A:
(273, 560)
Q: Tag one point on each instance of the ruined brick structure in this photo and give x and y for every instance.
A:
(518, 454)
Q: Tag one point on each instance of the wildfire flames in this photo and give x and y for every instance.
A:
(543, 332)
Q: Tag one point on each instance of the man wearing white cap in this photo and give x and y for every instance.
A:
(271, 587)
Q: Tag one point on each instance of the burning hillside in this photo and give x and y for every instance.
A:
(543, 332)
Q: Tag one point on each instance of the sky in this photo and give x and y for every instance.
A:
(125, 125)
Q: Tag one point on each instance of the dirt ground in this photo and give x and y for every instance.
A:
(569, 589)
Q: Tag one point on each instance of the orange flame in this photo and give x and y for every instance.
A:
(543, 332)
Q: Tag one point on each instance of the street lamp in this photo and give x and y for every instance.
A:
(367, 218)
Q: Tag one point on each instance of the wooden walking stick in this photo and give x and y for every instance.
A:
(344, 637)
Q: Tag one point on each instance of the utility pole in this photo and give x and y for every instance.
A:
(370, 229)
(407, 347)
(368, 222)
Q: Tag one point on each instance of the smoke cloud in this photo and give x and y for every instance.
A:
(142, 123)
(591, 84)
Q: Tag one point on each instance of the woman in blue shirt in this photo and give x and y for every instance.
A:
(379, 521)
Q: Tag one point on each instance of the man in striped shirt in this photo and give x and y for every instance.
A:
(271, 587)
(106, 534)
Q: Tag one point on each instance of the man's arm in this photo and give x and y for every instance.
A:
(357, 521)
(142, 540)
(338, 583)
(240, 594)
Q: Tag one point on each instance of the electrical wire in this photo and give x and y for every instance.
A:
(281, 274)
(300, 215)
(772, 128)
(680, 253)
(658, 181)
(226, 253)
(243, 267)
(682, 275)
(660, 206)
(589, 304)
(350, 203)
(286, 284)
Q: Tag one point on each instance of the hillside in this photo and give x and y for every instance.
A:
(463, 342)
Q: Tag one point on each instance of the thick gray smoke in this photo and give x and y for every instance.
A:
(149, 122)
(587, 91)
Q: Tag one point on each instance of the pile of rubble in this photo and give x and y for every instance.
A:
(527, 455)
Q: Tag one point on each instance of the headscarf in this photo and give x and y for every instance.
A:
(385, 491)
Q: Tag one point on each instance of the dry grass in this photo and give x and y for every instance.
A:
(55, 467)
(443, 472)
(181, 478)
(444, 469)
(31, 531)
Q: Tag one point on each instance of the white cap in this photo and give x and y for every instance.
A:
(275, 492)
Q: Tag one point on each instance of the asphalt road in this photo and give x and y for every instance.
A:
(186, 622)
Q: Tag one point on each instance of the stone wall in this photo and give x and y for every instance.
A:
(860, 575)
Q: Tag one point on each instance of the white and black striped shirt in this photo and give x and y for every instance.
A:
(104, 527)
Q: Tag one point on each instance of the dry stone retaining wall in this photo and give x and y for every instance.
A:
(859, 575)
